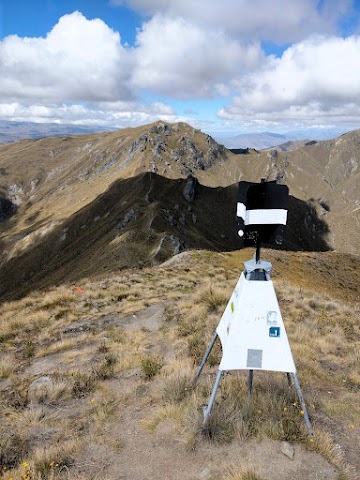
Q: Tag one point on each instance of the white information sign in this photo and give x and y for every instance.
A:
(252, 331)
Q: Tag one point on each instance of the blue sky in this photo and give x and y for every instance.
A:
(227, 67)
(35, 18)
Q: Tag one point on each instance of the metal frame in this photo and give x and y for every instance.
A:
(207, 408)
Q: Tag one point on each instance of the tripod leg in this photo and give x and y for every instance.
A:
(303, 406)
(251, 376)
(207, 409)
(206, 356)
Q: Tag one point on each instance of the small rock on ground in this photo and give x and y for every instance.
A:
(287, 450)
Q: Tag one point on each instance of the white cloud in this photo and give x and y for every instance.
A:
(177, 58)
(112, 114)
(83, 60)
(82, 73)
(277, 20)
(79, 60)
(315, 79)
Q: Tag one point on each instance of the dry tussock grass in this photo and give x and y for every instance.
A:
(323, 333)
(7, 365)
(177, 382)
(18, 324)
(213, 298)
(245, 473)
(173, 411)
(104, 404)
(50, 393)
(47, 461)
(63, 345)
(35, 416)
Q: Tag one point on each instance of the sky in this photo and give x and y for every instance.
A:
(225, 66)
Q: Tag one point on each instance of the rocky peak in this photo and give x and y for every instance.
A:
(162, 129)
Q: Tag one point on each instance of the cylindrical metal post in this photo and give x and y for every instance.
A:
(207, 409)
(257, 254)
(303, 406)
(251, 376)
(206, 356)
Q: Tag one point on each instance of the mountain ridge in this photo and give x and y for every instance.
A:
(46, 183)
(140, 221)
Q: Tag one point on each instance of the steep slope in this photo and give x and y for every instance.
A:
(54, 177)
(138, 221)
(52, 191)
(326, 175)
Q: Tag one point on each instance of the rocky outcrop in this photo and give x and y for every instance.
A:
(16, 193)
(189, 191)
(159, 145)
(130, 216)
(161, 129)
(139, 145)
(166, 150)
(196, 158)
(7, 208)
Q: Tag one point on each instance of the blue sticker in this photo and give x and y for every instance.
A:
(274, 332)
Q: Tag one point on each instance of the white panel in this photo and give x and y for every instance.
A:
(241, 210)
(271, 216)
(229, 314)
(252, 331)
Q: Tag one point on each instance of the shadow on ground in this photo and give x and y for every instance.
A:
(143, 221)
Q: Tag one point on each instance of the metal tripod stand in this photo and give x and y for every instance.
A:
(255, 271)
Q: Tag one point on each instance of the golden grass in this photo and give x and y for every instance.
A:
(47, 461)
(324, 444)
(19, 324)
(62, 345)
(213, 298)
(35, 416)
(103, 406)
(97, 365)
(245, 473)
(177, 385)
(342, 406)
(50, 393)
(7, 366)
(174, 412)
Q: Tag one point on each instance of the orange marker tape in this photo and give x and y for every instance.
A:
(78, 289)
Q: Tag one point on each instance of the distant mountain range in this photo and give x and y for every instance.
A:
(263, 140)
(80, 205)
(13, 131)
(258, 141)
